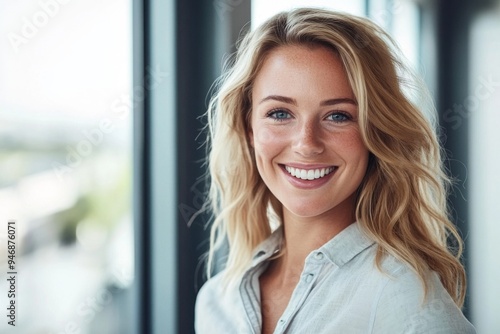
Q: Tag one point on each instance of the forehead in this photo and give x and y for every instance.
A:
(300, 69)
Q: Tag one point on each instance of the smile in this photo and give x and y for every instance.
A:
(309, 174)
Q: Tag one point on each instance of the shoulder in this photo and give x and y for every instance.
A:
(211, 291)
(211, 286)
(218, 308)
(402, 306)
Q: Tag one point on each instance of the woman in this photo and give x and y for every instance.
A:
(327, 182)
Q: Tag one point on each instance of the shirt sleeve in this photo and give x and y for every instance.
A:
(401, 308)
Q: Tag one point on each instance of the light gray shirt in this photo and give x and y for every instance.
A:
(340, 291)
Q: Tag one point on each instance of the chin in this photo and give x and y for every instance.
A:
(319, 208)
(305, 211)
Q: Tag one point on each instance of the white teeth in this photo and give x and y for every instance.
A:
(309, 174)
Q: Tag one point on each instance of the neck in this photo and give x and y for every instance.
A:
(304, 235)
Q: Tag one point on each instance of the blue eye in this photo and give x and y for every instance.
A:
(279, 115)
(339, 117)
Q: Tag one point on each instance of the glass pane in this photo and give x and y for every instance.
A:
(405, 30)
(66, 165)
(481, 108)
(262, 9)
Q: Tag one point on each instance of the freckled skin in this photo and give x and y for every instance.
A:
(308, 75)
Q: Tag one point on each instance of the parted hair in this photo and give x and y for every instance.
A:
(401, 202)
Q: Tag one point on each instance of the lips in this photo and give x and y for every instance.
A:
(309, 174)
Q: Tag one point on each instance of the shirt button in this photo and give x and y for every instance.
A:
(319, 256)
(309, 278)
(259, 254)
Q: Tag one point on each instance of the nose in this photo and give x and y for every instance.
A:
(308, 141)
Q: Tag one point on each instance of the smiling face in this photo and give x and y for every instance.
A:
(305, 134)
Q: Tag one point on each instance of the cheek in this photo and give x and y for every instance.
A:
(268, 143)
(353, 148)
(264, 136)
(359, 155)
(359, 149)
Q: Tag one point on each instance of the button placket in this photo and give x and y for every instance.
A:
(312, 269)
(309, 277)
(280, 328)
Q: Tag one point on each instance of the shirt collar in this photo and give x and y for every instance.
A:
(350, 242)
(268, 247)
(342, 248)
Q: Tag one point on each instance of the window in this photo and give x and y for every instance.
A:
(66, 163)
(262, 10)
(480, 107)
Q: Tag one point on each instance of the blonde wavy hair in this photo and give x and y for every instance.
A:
(401, 202)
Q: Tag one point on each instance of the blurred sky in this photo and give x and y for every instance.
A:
(68, 68)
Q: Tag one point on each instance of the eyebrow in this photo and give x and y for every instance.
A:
(292, 101)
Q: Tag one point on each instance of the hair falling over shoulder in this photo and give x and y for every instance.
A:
(401, 202)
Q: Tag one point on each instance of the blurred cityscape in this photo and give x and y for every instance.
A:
(66, 164)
